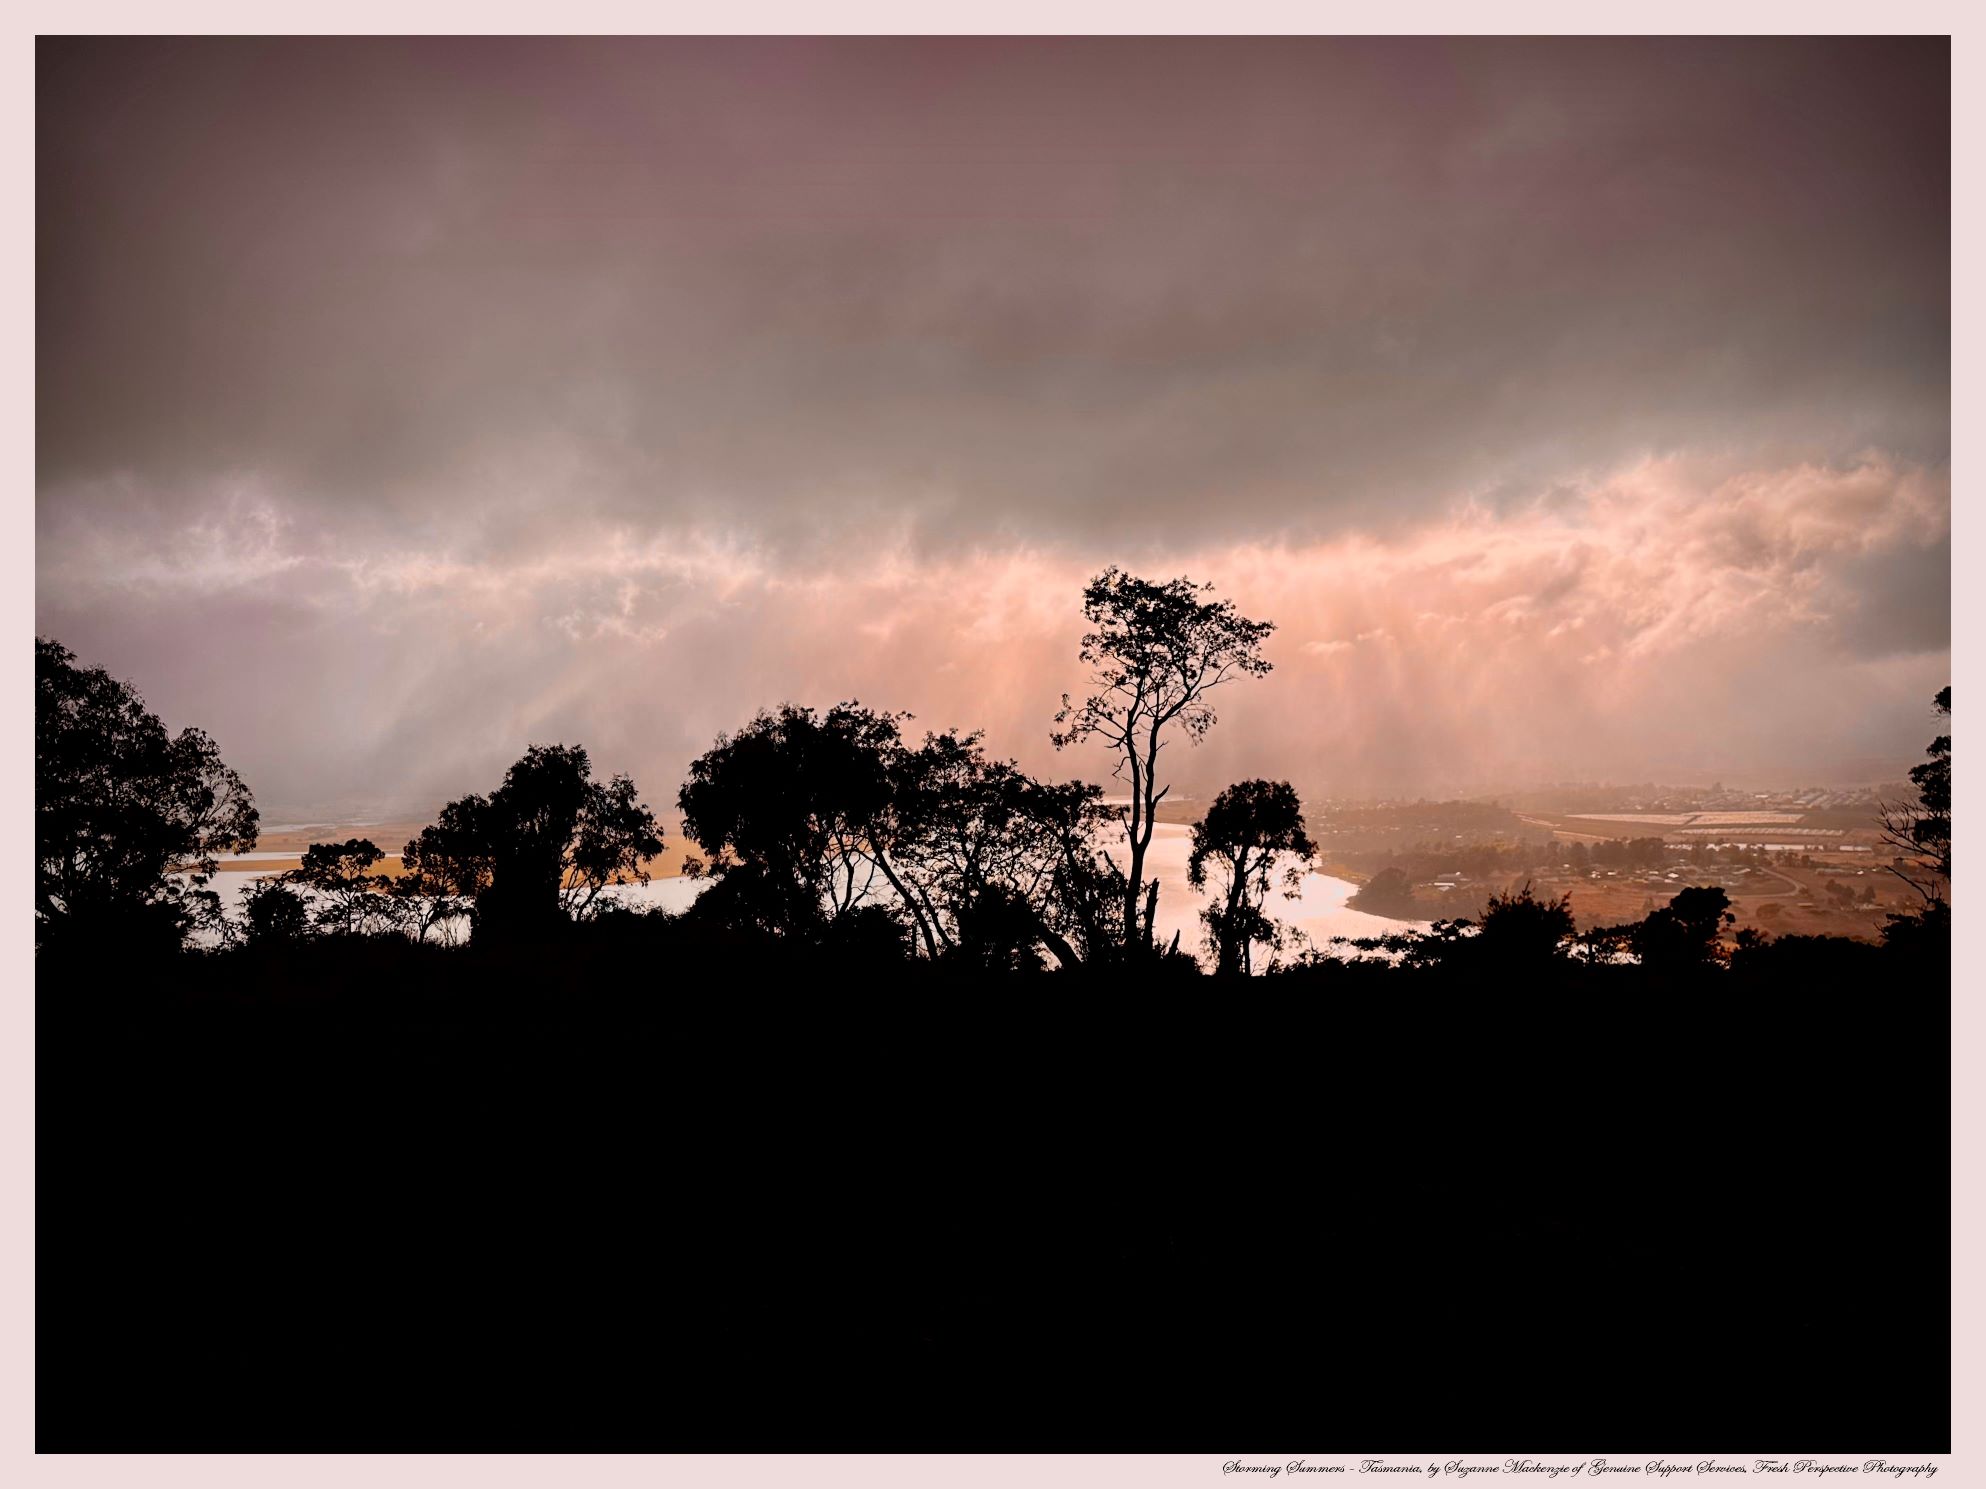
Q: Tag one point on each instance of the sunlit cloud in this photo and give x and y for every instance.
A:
(1478, 647)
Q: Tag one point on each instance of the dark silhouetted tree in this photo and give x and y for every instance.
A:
(1083, 913)
(942, 826)
(1920, 832)
(997, 930)
(1518, 935)
(1155, 652)
(536, 853)
(793, 815)
(351, 898)
(807, 818)
(426, 901)
(1806, 962)
(454, 859)
(1519, 931)
(129, 819)
(1923, 940)
(273, 913)
(995, 864)
(1252, 834)
(1441, 944)
(1684, 934)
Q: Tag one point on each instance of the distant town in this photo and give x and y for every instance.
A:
(1808, 860)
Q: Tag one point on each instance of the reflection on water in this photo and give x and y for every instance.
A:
(1319, 911)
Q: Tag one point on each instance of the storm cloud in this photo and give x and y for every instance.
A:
(1577, 407)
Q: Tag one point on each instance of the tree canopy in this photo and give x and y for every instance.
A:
(788, 812)
(832, 829)
(352, 897)
(129, 818)
(1920, 832)
(537, 852)
(1253, 832)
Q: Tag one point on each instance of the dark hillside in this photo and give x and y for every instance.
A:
(627, 1194)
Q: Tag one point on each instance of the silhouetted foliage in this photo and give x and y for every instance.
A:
(1440, 945)
(1812, 961)
(997, 930)
(1518, 938)
(1923, 840)
(1519, 932)
(867, 1176)
(1921, 832)
(1923, 940)
(654, 1187)
(352, 899)
(997, 865)
(1682, 936)
(455, 857)
(1082, 915)
(1252, 833)
(1155, 652)
(1521, 936)
(793, 814)
(425, 900)
(947, 838)
(273, 913)
(129, 819)
(805, 818)
(536, 853)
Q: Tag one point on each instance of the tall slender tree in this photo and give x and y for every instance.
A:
(1155, 653)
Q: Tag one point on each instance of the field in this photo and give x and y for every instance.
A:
(1788, 897)
(1779, 881)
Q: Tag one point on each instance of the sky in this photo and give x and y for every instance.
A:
(1577, 409)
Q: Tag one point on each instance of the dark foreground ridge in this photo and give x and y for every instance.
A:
(637, 1190)
(815, 1167)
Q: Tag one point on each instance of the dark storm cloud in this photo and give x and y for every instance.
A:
(1073, 288)
(404, 401)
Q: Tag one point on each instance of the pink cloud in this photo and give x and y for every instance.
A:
(1625, 625)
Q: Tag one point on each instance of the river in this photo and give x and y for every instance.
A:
(1319, 911)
